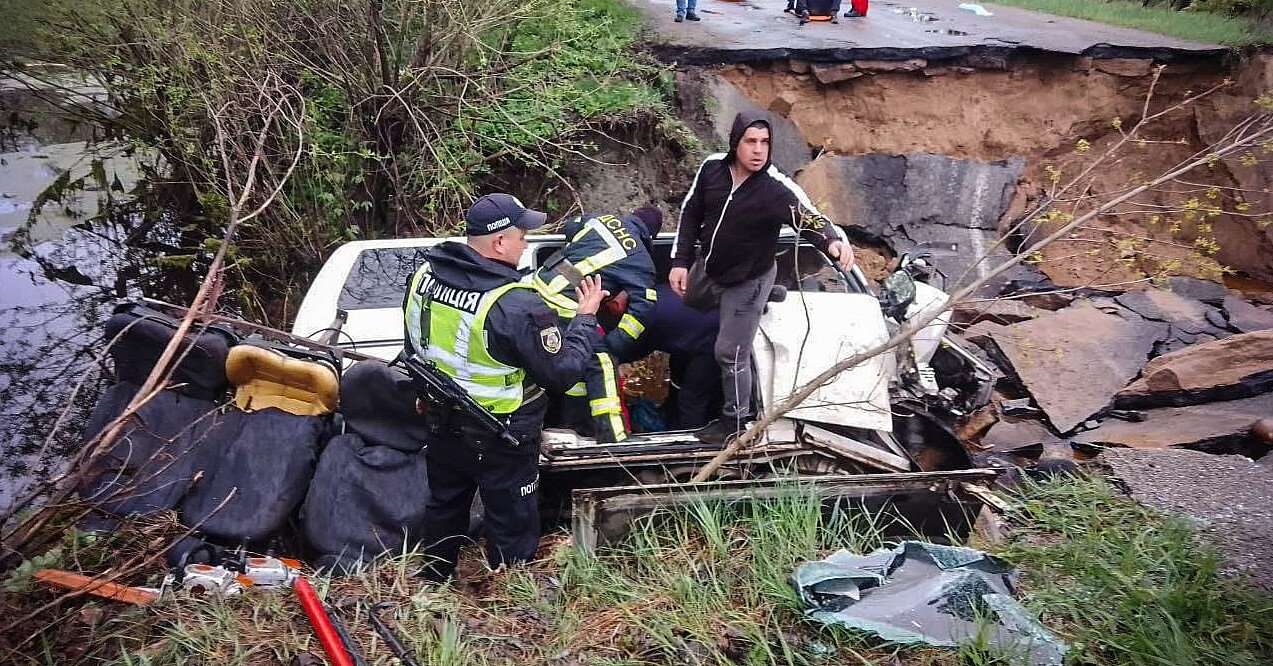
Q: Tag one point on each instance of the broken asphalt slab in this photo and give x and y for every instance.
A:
(999, 311)
(751, 31)
(1073, 361)
(1188, 321)
(1219, 427)
(1246, 317)
(1012, 436)
(906, 200)
(1238, 366)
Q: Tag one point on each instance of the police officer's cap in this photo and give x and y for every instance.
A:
(496, 212)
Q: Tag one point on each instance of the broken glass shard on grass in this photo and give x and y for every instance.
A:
(926, 593)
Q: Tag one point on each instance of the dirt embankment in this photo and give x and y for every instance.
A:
(1053, 115)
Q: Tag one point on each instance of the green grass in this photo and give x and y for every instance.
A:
(710, 585)
(21, 19)
(1192, 25)
(1129, 586)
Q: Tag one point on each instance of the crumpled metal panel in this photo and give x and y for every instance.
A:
(810, 332)
(925, 593)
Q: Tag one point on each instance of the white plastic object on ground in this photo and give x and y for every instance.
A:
(976, 9)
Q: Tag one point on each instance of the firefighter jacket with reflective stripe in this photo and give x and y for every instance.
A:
(494, 335)
(618, 250)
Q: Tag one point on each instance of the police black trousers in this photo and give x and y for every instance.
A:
(508, 481)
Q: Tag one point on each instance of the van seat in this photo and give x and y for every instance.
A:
(266, 378)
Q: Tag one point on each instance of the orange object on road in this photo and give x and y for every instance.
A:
(138, 596)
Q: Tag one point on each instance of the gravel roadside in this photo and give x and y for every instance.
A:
(1229, 498)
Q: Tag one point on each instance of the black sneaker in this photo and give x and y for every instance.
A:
(852, 13)
(804, 17)
(721, 431)
(679, 17)
(834, 19)
(691, 16)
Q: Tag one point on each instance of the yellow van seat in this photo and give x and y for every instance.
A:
(266, 378)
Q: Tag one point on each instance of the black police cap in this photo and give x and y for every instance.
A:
(496, 212)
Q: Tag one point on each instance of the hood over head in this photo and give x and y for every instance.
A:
(651, 220)
(741, 122)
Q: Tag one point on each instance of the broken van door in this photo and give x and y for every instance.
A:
(808, 333)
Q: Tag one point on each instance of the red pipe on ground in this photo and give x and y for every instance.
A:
(322, 624)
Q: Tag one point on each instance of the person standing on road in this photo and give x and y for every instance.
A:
(725, 248)
(685, 10)
(801, 9)
(467, 311)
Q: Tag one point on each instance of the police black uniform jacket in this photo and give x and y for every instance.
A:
(633, 274)
(521, 330)
(737, 233)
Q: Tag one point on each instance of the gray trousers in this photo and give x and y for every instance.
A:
(741, 305)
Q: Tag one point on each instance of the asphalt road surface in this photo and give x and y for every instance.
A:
(750, 30)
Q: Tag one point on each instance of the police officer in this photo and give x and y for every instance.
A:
(467, 311)
(618, 250)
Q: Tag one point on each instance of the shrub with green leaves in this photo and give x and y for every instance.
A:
(410, 106)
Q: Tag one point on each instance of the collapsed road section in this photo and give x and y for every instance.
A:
(927, 126)
(750, 32)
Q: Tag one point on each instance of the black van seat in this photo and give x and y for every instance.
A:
(369, 493)
(163, 447)
(156, 457)
(140, 335)
(265, 449)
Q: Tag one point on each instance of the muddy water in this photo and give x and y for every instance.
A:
(60, 273)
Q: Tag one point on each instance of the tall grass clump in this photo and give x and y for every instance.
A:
(703, 584)
(1130, 586)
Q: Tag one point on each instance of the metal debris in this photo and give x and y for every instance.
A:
(926, 593)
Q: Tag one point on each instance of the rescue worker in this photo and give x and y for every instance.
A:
(724, 253)
(687, 336)
(616, 249)
(468, 312)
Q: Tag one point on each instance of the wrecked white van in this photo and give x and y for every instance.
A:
(888, 414)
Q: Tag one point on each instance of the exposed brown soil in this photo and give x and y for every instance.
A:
(1030, 110)
(1041, 110)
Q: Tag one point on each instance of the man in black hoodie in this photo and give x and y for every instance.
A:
(467, 311)
(725, 247)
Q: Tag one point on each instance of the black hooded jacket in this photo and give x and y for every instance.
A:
(519, 329)
(736, 231)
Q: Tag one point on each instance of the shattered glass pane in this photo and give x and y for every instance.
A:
(925, 593)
